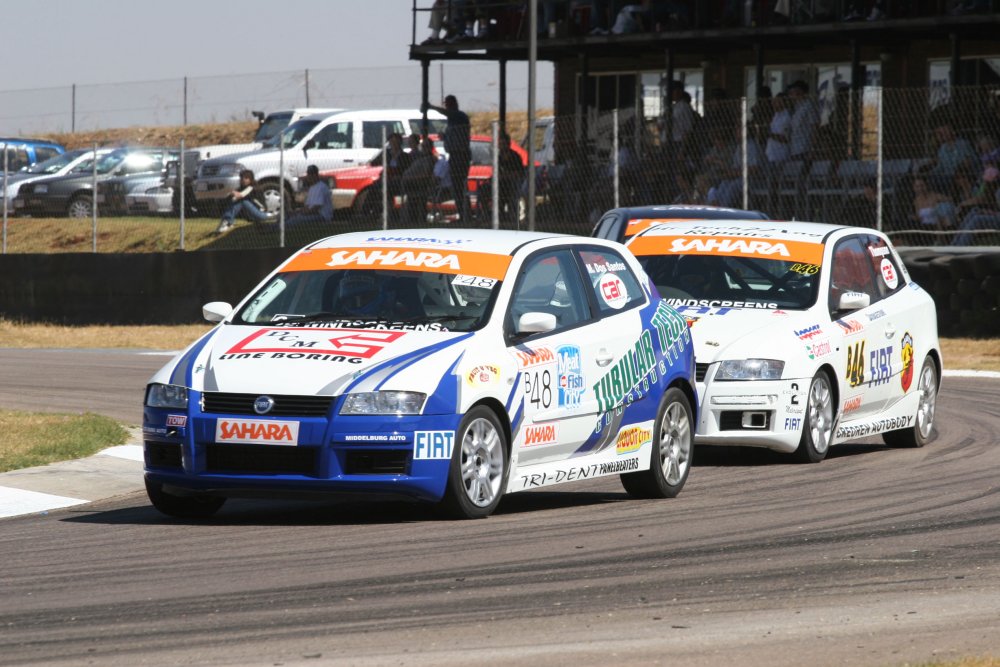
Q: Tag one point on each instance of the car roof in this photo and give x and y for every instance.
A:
(375, 114)
(493, 241)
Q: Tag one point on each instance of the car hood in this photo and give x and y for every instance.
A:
(315, 361)
(270, 153)
(365, 173)
(226, 150)
(743, 333)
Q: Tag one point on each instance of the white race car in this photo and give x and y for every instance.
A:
(440, 365)
(806, 335)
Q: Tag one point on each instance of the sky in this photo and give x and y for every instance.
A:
(354, 49)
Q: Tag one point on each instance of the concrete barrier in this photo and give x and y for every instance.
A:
(170, 288)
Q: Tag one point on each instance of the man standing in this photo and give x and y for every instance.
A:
(319, 200)
(456, 145)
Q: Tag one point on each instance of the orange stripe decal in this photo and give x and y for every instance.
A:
(783, 249)
(456, 262)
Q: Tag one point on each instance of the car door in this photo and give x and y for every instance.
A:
(333, 146)
(558, 368)
(864, 343)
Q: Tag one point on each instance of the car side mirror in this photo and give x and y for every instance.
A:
(309, 145)
(216, 311)
(854, 301)
(536, 322)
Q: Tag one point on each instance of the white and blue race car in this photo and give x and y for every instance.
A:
(806, 335)
(448, 366)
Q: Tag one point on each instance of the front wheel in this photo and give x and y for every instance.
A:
(817, 432)
(272, 192)
(182, 507)
(479, 466)
(923, 427)
(673, 447)
(81, 206)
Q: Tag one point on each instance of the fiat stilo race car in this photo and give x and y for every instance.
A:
(806, 335)
(448, 366)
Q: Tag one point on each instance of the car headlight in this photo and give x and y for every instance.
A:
(750, 369)
(384, 403)
(166, 396)
(41, 189)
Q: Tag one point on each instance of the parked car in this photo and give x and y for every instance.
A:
(268, 130)
(359, 188)
(449, 366)
(620, 224)
(806, 335)
(56, 165)
(328, 141)
(23, 153)
(136, 194)
(72, 194)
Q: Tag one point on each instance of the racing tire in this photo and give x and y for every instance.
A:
(922, 430)
(81, 206)
(671, 453)
(479, 466)
(817, 428)
(182, 507)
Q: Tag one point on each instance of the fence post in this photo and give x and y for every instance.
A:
(744, 122)
(614, 151)
(307, 88)
(185, 101)
(4, 147)
(281, 193)
(93, 198)
(180, 185)
(495, 179)
(385, 180)
(878, 164)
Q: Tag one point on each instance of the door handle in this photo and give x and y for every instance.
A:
(890, 331)
(603, 358)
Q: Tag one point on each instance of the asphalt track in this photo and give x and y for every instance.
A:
(873, 557)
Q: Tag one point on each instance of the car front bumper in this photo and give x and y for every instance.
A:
(758, 413)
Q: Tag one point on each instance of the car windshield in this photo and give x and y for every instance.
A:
(292, 134)
(105, 163)
(737, 282)
(271, 126)
(55, 163)
(367, 298)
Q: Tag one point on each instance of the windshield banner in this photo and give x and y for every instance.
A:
(729, 246)
(436, 260)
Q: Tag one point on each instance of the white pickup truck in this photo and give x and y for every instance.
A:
(329, 141)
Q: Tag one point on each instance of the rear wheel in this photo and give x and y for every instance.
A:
(923, 426)
(81, 206)
(817, 432)
(182, 507)
(479, 466)
(673, 446)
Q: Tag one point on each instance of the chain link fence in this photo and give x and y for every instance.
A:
(918, 164)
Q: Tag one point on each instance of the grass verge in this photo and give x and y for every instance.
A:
(32, 439)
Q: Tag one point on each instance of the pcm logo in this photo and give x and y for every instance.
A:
(429, 445)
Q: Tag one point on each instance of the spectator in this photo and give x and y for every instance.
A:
(417, 182)
(397, 162)
(511, 175)
(456, 145)
(442, 177)
(982, 209)
(989, 153)
(761, 114)
(727, 161)
(246, 200)
(932, 210)
(682, 116)
(953, 153)
(319, 200)
(804, 119)
(776, 149)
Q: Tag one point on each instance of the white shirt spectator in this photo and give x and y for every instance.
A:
(781, 124)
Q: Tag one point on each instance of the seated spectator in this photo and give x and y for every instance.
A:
(511, 174)
(932, 210)
(397, 161)
(953, 153)
(247, 201)
(726, 161)
(319, 201)
(981, 210)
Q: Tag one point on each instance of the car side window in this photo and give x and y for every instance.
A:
(335, 135)
(549, 282)
(43, 153)
(615, 286)
(610, 227)
(482, 153)
(851, 271)
(888, 279)
(372, 131)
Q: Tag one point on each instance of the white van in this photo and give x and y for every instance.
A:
(344, 139)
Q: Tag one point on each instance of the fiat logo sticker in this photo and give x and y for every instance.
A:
(263, 405)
